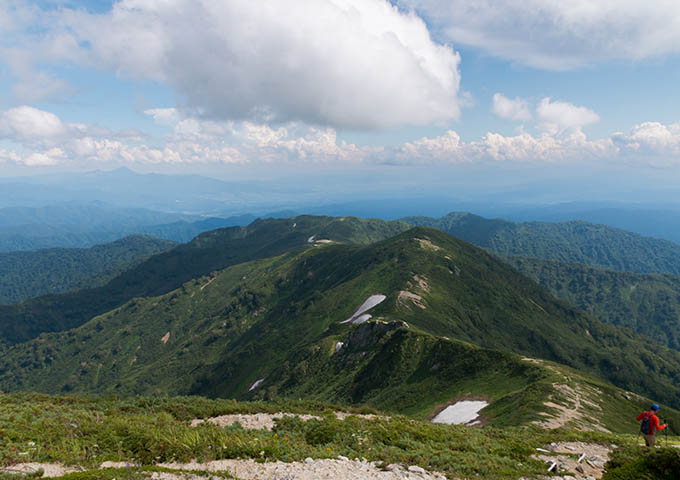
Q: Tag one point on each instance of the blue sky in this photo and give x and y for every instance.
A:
(233, 87)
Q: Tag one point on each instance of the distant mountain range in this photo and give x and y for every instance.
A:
(651, 220)
(84, 225)
(343, 195)
(123, 187)
(574, 241)
(31, 274)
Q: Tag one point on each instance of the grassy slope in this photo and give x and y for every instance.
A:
(278, 318)
(86, 431)
(58, 270)
(161, 273)
(575, 241)
(649, 304)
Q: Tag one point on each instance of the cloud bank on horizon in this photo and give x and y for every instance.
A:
(275, 81)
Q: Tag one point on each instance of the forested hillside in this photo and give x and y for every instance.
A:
(649, 304)
(575, 241)
(31, 274)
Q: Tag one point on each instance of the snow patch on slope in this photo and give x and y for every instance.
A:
(256, 384)
(370, 302)
(465, 412)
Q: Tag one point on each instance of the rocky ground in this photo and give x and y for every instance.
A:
(572, 461)
(575, 460)
(266, 421)
(332, 469)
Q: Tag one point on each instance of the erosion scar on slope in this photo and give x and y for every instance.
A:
(574, 414)
(207, 283)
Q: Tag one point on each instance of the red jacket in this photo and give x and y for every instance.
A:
(653, 421)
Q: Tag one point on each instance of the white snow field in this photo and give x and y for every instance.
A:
(362, 318)
(256, 384)
(464, 412)
(370, 302)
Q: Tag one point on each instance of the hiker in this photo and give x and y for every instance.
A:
(650, 424)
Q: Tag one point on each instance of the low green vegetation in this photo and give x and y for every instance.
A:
(575, 241)
(86, 431)
(31, 274)
(635, 463)
(146, 431)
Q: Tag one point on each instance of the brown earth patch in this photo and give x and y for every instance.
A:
(427, 244)
(411, 297)
(207, 283)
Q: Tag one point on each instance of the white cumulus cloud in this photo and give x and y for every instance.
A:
(339, 63)
(194, 140)
(515, 109)
(558, 34)
(655, 136)
(653, 143)
(559, 116)
(28, 124)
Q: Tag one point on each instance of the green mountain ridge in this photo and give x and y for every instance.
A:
(573, 241)
(452, 323)
(58, 270)
(208, 252)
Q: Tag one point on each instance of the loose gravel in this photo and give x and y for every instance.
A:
(258, 421)
(333, 469)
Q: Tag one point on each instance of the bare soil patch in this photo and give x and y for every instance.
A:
(405, 296)
(258, 421)
(427, 244)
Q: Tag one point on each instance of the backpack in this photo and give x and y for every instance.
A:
(645, 426)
